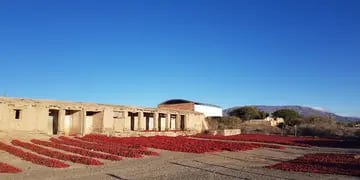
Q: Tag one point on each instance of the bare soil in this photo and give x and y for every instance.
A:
(176, 165)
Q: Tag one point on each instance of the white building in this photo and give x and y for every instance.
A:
(181, 104)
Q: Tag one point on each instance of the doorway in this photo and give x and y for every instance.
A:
(173, 122)
(161, 121)
(53, 121)
(182, 122)
(72, 122)
(93, 122)
(132, 120)
(149, 121)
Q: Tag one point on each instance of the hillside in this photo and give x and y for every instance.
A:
(302, 110)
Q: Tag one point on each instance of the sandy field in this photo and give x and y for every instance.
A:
(176, 165)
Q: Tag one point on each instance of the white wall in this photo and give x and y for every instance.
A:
(208, 110)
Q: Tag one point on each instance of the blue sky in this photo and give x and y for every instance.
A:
(241, 52)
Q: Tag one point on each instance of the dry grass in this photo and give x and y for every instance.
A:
(328, 130)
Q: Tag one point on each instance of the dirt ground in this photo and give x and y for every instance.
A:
(176, 165)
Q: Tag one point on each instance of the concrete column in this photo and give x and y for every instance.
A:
(108, 120)
(126, 123)
(185, 122)
(156, 120)
(61, 121)
(140, 121)
(187, 125)
(167, 127)
(177, 122)
(67, 124)
(82, 122)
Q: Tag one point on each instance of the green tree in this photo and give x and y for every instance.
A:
(248, 112)
(263, 114)
(290, 116)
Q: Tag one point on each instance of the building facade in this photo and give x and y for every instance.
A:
(68, 118)
(208, 110)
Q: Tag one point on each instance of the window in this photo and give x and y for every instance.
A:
(17, 114)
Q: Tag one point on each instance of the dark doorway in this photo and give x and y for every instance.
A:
(54, 120)
(147, 122)
(182, 122)
(132, 120)
(132, 123)
(159, 123)
(147, 119)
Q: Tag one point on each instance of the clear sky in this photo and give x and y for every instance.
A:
(228, 53)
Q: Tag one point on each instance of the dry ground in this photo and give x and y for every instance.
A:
(175, 165)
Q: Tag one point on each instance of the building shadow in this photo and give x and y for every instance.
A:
(206, 170)
(115, 176)
(242, 170)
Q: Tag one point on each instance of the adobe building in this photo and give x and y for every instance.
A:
(68, 118)
(208, 110)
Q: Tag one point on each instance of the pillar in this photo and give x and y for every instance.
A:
(177, 122)
(156, 121)
(167, 127)
(187, 122)
(140, 121)
(61, 129)
(82, 121)
(126, 123)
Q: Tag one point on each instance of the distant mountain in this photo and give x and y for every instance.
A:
(302, 110)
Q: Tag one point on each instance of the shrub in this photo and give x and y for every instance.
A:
(327, 130)
(357, 133)
(290, 116)
(317, 120)
(226, 122)
(259, 129)
(248, 112)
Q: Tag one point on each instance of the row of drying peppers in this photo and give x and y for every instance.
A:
(180, 144)
(31, 157)
(326, 163)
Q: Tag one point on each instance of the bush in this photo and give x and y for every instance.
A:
(290, 116)
(357, 133)
(226, 122)
(248, 112)
(327, 130)
(318, 120)
(259, 129)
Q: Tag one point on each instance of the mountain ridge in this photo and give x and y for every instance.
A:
(302, 110)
